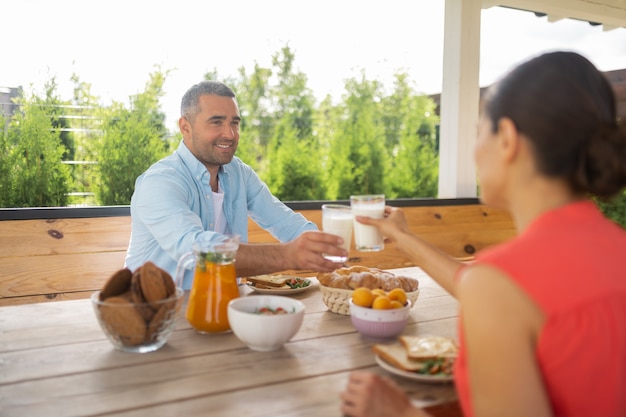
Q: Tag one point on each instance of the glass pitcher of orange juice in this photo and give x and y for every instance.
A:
(214, 283)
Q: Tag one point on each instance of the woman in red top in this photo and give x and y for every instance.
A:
(542, 328)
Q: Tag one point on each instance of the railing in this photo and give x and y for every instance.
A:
(114, 211)
(67, 253)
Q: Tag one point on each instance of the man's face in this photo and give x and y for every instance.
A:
(213, 135)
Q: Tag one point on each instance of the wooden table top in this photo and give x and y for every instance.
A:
(55, 361)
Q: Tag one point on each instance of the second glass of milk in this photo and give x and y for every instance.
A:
(368, 238)
(337, 220)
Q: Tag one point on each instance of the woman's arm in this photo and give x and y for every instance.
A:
(436, 263)
(500, 325)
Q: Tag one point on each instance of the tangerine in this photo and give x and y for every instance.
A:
(398, 294)
(382, 302)
(378, 292)
(363, 297)
(396, 304)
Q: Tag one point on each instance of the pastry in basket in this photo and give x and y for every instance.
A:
(337, 286)
(357, 276)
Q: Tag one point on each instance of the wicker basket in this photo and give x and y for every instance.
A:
(337, 299)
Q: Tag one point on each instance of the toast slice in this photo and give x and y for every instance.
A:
(395, 354)
(268, 281)
(428, 347)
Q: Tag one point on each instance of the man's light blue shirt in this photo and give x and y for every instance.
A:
(171, 207)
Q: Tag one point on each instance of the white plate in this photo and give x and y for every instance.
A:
(280, 291)
(412, 375)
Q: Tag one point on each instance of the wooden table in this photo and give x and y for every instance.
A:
(55, 361)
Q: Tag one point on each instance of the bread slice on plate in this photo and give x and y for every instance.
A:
(428, 347)
(395, 355)
(268, 281)
(423, 354)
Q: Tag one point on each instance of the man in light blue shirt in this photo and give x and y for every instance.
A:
(203, 191)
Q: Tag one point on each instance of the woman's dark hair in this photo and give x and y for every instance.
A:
(566, 108)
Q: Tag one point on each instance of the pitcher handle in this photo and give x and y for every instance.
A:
(185, 262)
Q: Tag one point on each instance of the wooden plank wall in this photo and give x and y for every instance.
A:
(62, 259)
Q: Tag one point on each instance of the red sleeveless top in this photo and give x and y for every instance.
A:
(572, 262)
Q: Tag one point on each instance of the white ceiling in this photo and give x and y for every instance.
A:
(610, 14)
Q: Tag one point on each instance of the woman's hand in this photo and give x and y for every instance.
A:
(368, 394)
(391, 225)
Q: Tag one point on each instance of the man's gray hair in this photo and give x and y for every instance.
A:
(189, 104)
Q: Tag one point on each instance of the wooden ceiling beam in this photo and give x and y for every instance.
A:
(609, 13)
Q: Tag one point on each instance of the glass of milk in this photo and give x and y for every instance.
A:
(337, 220)
(368, 238)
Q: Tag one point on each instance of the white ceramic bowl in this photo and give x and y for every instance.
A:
(379, 324)
(264, 332)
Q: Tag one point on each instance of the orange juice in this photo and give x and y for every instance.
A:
(214, 285)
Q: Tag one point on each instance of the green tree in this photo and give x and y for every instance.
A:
(31, 168)
(56, 110)
(615, 208)
(325, 121)
(5, 165)
(293, 175)
(294, 170)
(394, 110)
(410, 135)
(87, 126)
(291, 95)
(357, 153)
(257, 120)
(349, 147)
(132, 140)
(414, 172)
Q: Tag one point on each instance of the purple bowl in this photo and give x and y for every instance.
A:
(379, 324)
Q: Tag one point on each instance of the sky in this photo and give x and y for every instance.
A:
(115, 44)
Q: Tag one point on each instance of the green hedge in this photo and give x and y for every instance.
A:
(615, 209)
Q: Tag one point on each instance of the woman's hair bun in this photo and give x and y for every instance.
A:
(602, 170)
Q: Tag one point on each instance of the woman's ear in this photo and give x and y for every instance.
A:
(508, 137)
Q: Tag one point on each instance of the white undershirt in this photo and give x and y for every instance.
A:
(218, 208)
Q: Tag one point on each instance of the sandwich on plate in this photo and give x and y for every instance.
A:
(428, 355)
(277, 281)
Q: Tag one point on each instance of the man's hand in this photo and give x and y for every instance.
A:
(306, 252)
